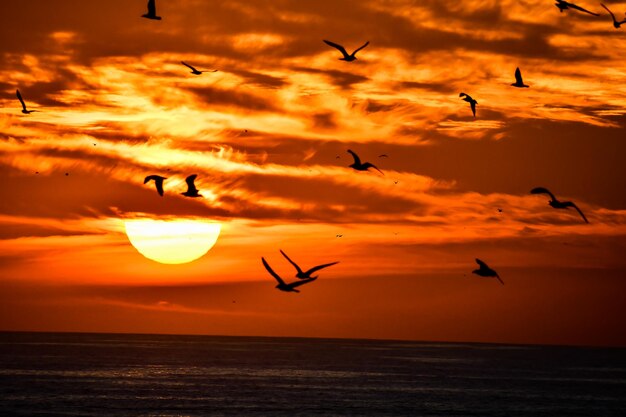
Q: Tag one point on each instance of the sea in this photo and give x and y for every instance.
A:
(82, 374)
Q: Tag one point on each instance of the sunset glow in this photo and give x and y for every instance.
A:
(268, 134)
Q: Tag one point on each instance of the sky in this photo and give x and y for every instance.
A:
(268, 134)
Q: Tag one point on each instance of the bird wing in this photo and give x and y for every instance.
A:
(499, 279)
(542, 190)
(271, 271)
(337, 46)
(518, 76)
(357, 160)
(190, 185)
(610, 12)
(301, 282)
(571, 204)
(573, 6)
(358, 49)
(188, 66)
(370, 165)
(19, 97)
(291, 262)
(481, 263)
(152, 7)
(473, 106)
(159, 185)
(317, 268)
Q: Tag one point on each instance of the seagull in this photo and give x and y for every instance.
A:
(192, 191)
(281, 284)
(616, 24)
(383, 156)
(346, 57)
(556, 203)
(158, 180)
(151, 11)
(563, 5)
(307, 274)
(24, 110)
(362, 167)
(471, 101)
(519, 82)
(485, 271)
(193, 70)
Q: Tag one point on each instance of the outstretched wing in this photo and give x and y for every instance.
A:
(291, 262)
(481, 263)
(610, 12)
(370, 165)
(542, 190)
(357, 160)
(302, 282)
(317, 268)
(190, 182)
(573, 6)
(473, 106)
(358, 49)
(271, 271)
(19, 97)
(518, 76)
(571, 204)
(188, 66)
(151, 7)
(337, 46)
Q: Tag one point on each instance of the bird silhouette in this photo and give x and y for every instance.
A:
(192, 191)
(485, 271)
(471, 101)
(564, 5)
(307, 274)
(158, 181)
(556, 203)
(383, 156)
(151, 11)
(616, 24)
(341, 49)
(360, 166)
(282, 285)
(193, 70)
(519, 82)
(24, 109)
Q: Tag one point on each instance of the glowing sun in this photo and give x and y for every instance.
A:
(173, 241)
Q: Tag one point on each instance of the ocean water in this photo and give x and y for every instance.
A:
(54, 374)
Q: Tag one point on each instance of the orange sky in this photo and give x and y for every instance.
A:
(263, 134)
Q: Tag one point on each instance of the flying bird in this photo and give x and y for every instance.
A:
(383, 156)
(282, 285)
(192, 191)
(519, 82)
(307, 274)
(24, 109)
(556, 203)
(616, 24)
(471, 101)
(485, 271)
(193, 70)
(151, 11)
(158, 181)
(360, 166)
(346, 57)
(563, 5)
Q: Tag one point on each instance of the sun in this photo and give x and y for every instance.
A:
(172, 241)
